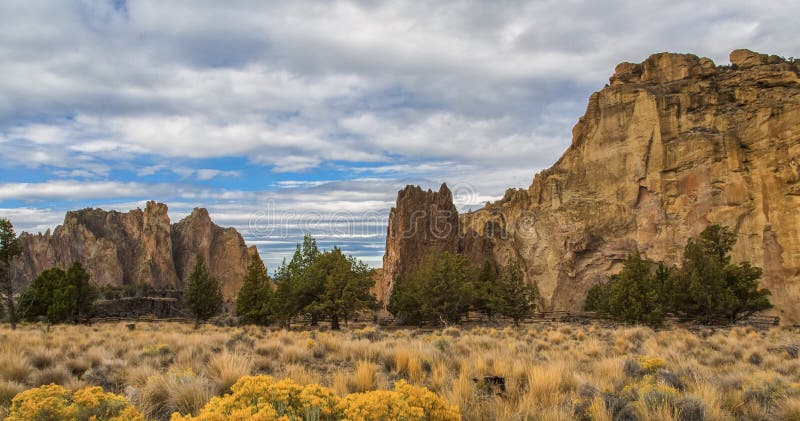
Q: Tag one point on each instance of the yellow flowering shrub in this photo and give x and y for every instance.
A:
(433, 405)
(651, 363)
(261, 398)
(54, 402)
(406, 402)
(377, 405)
(157, 350)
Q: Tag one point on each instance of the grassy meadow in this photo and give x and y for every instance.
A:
(549, 371)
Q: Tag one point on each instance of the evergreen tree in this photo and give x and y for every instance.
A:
(49, 297)
(709, 288)
(440, 289)
(515, 298)
(84, 294)
(635, 296)
(346, 284)
(202, 294)
(486, 298)
(255, 302)
(597, 297)
(296, 291)
(9, 249)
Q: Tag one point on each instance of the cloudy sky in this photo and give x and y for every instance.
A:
(292, 117)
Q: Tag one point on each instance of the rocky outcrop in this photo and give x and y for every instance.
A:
(223, 250)
(136, 247)
(671, 145)
(422, 222)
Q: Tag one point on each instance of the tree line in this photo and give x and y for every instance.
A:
(707, 287)
(446, 286)
(329, 285)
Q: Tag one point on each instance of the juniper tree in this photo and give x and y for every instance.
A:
(256, 300)
(515, 297)
(202, 294)
(9, 249)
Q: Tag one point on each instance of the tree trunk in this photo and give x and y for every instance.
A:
(314, 319)
(335, 322)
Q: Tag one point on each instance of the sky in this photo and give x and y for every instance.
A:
(308, 116)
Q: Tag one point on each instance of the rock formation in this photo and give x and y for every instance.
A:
(136, 247)
(421, 223)
(671, 145)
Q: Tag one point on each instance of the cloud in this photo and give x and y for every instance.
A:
(108, 102)
(77, 190)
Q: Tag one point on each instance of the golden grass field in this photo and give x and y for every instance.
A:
(551, 371)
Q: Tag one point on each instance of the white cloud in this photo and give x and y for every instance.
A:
(76, 190)
(479, 94)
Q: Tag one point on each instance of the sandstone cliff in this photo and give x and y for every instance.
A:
(136, 247)
(671, 145)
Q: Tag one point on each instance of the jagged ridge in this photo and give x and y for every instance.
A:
(136, 247)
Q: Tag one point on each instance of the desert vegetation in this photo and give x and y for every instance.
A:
(545, 371)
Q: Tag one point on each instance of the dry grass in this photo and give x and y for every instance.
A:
(365, 377)
(550, 371)
(225, 368)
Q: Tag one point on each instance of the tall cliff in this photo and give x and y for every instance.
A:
(671, 145)
(136, 247)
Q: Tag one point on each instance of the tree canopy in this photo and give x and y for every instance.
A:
(59, 296)
(446, 286)
(317, 284)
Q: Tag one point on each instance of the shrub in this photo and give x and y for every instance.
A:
(651, 364)
(263, 398)
(54, 402)
(175, 391)
(368, 332)
(405, 402)
(158, 350)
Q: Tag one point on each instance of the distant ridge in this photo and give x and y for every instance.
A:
(136, 247)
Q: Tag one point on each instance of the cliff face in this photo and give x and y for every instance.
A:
(223, 250)
(669, 146)
(136, 247)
